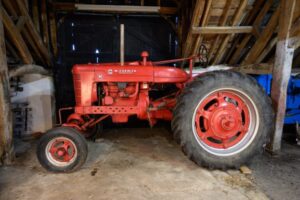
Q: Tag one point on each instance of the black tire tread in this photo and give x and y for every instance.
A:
(180, 117)
(72, 134)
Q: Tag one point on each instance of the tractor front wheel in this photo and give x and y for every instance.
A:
(62, 149)
(222, 119)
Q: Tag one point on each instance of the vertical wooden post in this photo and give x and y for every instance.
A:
(282, 71)
(122, 44)
(6, 150)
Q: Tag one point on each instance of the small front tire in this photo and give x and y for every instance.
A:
(62, 149)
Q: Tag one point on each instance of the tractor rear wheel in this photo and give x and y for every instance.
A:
(62, 149)
(222, 119)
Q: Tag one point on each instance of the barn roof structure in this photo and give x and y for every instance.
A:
(234, 32)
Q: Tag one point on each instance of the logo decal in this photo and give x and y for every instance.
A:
(121, 71)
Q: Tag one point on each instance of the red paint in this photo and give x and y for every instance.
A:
(125, 90)
(221, 123)
(62, 150)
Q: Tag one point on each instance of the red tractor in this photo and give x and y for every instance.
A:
(221, 119)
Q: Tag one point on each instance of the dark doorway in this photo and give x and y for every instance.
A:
(92, 38)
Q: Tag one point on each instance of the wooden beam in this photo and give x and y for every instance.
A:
(11, 50)
(6, 131)
(222, 22)
(261, 68)
(267, 50)
(28, 38)
(295, 31)
(222, 29)
(235, 21)
(36, 15)
(114, 8)
(16, 38)
(258, 4)
(9, 7)
(282, 71)
(30, 41)
(266, 7)
(44, 21)
(53, 32)
(63, 6)
(262, 41)
(26, 4)
(21, 22)
(34, 33)
(251, 15)
(196, 17)
(204, 22)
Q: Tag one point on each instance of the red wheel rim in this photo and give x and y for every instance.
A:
(222, 119)
(61, 150)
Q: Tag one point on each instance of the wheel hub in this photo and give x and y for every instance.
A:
(225, 122)
(222, 120)
(62, 150)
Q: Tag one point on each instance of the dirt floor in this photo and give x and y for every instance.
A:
(144, 163)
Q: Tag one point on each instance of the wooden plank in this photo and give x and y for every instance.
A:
(222, 22)
(247, 38)
(222, 29)
(125, 9)
(44, 21)
(219, 12)
(295, 31)
(31, 43)
(11, 50)
(257, 5)
(204, 22)
(282, 71)
(30, 40)
(6, 131)
(21, 22)
(35, 15)
(167, 10)
(63, 6)
(267, 50)
(9, 7)
(261, 68)
(287, 8)
(222, 4)
(53, 32)
(235, 21)
(262, 41)
(16, 38)
(26, 4)
(196, 17)
(34, 33)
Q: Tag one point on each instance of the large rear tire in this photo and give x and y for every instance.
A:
(62, 149)
(223, 119)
